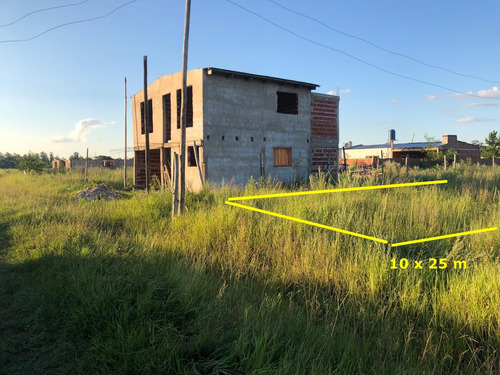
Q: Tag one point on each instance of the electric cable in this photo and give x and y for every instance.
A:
(356, 58)
(67, 24)
(42, 10)
(382, 48)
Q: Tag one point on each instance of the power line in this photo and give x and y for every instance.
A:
(42, 10)
(382, 48)
(67, 24)
(354, 57)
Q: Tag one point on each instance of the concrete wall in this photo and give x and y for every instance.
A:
(241, 123)
(169, 84)
(366, 152)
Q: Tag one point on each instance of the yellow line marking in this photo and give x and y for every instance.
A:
(298, 193)
(306, 222)
(445, 236)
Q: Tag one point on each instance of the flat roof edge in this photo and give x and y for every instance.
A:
(249, 76)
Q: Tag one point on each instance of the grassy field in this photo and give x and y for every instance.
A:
(116, 287)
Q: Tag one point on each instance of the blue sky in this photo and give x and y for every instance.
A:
(63, 92)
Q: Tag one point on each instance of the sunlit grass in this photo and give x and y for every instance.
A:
(118, 287)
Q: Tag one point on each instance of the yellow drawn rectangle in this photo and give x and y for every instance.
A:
(443, 237)
(360, 188)
(306, 222)
(230, 201)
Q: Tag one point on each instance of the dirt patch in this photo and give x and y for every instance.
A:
(97, 192)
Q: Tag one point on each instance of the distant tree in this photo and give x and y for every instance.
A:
(51, 157)
(492, 145)
(76, 156)
(475, 142)
(9, 161)
(45, 158)
(102, 157)
(31, 163)
(430, 151)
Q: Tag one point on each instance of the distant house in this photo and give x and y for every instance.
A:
(418, 150)
(238, 126)
(80, 163)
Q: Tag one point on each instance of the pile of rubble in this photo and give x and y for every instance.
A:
(97, 192)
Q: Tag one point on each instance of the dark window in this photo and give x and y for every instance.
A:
(142, 119)
(287, 103)
(191, 158)
(150, 115)
(282, 156)
(167, 118)
(189, 114)
(189, 119)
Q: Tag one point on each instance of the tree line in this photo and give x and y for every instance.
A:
(37, 161)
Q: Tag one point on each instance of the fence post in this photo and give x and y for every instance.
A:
(444, 157)
(382, 164)
(454, 160)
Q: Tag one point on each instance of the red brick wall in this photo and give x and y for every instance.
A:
(324, 132)
(324, 116)
(140, 167)
(324, 159)
(466, 151)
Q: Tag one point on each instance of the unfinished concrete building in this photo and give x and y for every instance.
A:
(238, 126)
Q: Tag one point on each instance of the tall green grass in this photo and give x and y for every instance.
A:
(118, 287)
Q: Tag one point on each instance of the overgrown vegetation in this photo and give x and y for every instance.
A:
(117, 287)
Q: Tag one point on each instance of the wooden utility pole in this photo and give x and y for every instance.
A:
(146, 124)
(125, 155)
(87, 166)
(182, 192)
(175, 185)
(345, 160)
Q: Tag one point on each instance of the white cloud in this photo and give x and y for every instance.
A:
(82, 129)
(470, 105)
(494, 92)
(431, 96)
(346, 91)
(473, 119)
